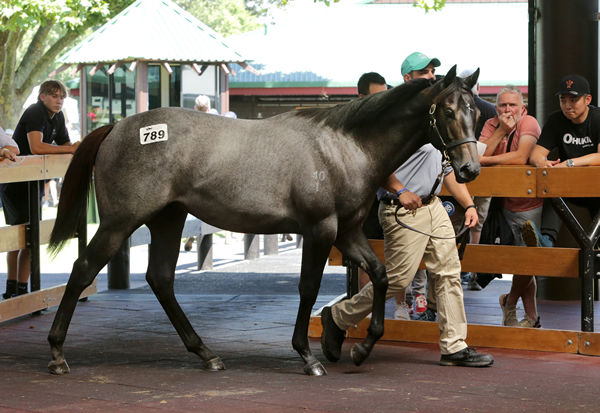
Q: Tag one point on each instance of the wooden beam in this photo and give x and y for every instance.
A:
(589, 344)
(26, 168)
(95, 69)
(55, 166)
(503, 259)
(224, 68)
(536, 339)
(506, 180)
(37, 300)
(59, 70)
(12, 237)
(568, 182)
(114, 67)
(34, 168)
(76, 69)
(249, 68)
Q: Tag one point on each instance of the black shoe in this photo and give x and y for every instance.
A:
(468, 357)
(332, 336)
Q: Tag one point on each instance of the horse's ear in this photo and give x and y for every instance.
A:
(471, 80)
(450, 76)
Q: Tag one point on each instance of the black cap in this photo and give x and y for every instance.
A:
(574, 85)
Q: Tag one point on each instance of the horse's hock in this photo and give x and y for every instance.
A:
(566, 272)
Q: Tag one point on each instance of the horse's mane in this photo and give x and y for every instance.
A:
(365, 110)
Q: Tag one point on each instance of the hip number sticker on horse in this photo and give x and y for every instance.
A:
(154, 133)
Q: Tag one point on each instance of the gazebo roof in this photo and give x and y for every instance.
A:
(153, 30)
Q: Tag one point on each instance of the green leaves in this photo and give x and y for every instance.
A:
(427, 5)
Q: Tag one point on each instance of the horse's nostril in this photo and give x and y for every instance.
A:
(469, 171)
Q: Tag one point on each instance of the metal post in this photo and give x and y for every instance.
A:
(560, 25)
(251, 246)
(205, 252)
(271, 244)
(586, 259)
(33, 234)
(118, 268)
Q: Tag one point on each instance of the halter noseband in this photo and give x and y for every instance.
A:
(445, 146)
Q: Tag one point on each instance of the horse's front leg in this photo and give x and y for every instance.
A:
(103, 246)
(316, 247)
(355, 246)
(165, 229)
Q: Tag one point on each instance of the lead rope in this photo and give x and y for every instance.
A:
(461, 237)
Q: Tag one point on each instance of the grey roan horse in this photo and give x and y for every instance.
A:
(313, 172)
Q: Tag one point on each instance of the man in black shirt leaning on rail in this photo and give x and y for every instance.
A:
(575, 131)
(41, 125)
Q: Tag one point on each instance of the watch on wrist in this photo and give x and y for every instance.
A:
(570, 163)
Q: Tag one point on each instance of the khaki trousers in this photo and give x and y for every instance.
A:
(404, 250)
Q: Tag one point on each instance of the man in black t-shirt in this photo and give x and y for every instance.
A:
(575, 131)
(41, 125)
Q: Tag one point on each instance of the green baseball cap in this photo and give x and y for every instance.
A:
(417, 61)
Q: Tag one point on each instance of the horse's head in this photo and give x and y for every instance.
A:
(453, 115)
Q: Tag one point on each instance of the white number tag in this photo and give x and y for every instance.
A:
(154, 133)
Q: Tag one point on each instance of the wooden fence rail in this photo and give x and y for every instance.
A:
(583, 262)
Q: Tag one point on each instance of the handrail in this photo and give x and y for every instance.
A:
(34, 168)
(530, 182)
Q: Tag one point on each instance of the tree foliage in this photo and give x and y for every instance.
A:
(33, 33)
(428, 5)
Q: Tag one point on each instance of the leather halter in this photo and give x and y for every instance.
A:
(436, 133)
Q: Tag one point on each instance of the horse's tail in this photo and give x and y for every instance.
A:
(75, 189)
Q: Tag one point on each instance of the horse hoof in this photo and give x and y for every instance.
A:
(58, 367)
(215, 364)
(358, 353)
(315, 369)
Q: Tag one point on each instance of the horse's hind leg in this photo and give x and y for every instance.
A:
(104, 245)
(314, 256)
(355, 246)
(166, 230)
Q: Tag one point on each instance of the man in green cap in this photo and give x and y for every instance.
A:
(417, 65)
(410, 187)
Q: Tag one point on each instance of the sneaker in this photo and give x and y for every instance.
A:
(468, 357)
(464, 277)
(509, 313)
(530, 322)
(473, 285)
(332, 336)
(401, 312)
(420, 304)
(533, 237)
(427, 315)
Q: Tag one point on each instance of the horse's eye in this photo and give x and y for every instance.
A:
(449, 113)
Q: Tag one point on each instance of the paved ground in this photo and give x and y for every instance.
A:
(125, 355)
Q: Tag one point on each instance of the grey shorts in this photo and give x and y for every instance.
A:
(517, 219)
